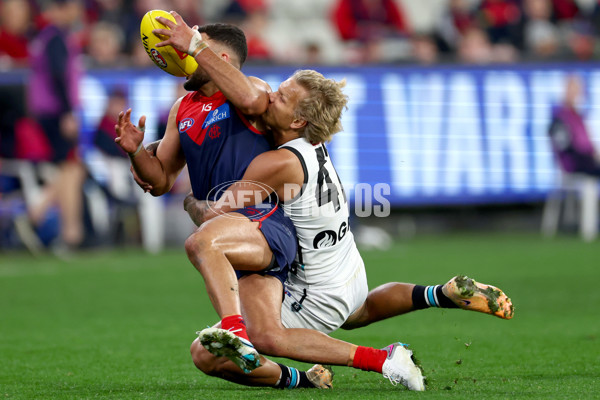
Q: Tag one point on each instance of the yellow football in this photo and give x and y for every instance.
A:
(166, 58)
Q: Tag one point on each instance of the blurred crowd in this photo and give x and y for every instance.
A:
(313, 32)
(40, 128)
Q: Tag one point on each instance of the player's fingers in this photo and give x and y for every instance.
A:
(166, 22)
(147, 187)
(127, 117)
(142, 123)
(136, 178)
(178, 18)
(162, 32)
(140, 182)
(120, 119)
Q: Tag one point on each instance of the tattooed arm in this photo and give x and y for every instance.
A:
(198, 210)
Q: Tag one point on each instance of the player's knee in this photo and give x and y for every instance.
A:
(203, 360)
(196, 245)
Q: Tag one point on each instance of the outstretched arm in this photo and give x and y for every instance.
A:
(158, 172)
(250, 96)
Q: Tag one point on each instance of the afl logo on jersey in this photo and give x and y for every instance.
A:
(186, 124)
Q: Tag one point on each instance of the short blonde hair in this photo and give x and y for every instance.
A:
(322, 108)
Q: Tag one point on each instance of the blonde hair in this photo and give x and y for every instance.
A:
(322, 108)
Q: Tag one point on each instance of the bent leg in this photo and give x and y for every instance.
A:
(261, 298)
(220, 245)
(266, 375)
(385, 301)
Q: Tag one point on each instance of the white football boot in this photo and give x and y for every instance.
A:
(399, 367)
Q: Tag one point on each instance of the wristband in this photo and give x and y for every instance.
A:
(196, 44)
(135, 153)
(200, 49)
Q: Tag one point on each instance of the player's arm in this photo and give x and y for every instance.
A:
(161, 171)
(151, 149)
(276, 171)
(198, 210)
(249, 95)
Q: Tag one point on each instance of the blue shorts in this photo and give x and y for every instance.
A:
(280, 233)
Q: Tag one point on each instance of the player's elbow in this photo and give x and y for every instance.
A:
(156, 192)
(159, 190)
(254, 104)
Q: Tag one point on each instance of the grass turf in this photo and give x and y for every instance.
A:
(118, 325)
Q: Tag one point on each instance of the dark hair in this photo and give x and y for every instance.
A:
(230, 35)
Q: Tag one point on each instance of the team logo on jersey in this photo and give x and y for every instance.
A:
(158, 59)
(325, 239)
(186, 124)
(252, 211)
(329, 238)
(214, 131)
(217, 115)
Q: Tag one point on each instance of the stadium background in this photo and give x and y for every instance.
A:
(449, 106)
(450, 100)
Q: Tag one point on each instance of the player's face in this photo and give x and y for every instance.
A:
(196, 80)
(282, 104)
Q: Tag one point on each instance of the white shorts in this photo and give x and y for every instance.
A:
(323, 308)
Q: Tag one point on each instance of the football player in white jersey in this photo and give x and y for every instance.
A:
(328, 288)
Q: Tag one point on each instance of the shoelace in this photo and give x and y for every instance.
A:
(394, 379)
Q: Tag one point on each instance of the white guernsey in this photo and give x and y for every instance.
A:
(328, 281)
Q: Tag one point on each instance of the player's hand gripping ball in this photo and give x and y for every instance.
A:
(166, 58)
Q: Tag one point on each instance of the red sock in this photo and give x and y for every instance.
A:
(369, 359)
(235, 324)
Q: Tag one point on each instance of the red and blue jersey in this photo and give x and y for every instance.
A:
(218, 142)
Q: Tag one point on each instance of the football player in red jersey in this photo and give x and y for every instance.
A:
(217, 141)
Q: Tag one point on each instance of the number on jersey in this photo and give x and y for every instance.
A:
(326, 190)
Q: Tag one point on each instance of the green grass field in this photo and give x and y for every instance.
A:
(118, 325)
